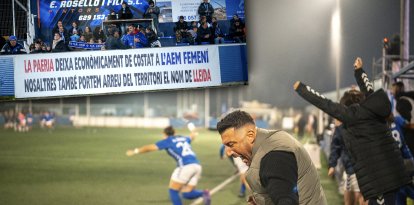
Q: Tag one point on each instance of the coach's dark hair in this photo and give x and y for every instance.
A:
(169, 131)
(235, 119)
(352, 97)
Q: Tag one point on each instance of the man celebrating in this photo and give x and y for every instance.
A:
(185, 177)
(280, 170)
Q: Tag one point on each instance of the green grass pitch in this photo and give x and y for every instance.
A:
(89, 166)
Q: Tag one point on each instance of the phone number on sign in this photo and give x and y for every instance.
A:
(91, 17)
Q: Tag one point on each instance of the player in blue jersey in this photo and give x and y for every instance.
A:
(185, 177)
(398, 134)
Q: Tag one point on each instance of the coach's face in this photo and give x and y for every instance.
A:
(239, 142)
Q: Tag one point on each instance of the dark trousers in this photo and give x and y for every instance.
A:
(386, 199)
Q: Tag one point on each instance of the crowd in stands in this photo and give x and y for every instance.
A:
(209, 32)
(124, 36)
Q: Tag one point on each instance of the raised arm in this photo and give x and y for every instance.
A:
(362, 79)
(336, 110)
(143, 149)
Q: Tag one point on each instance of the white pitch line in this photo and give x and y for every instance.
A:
(217, 188)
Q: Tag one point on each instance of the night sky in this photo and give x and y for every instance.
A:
(289, 40)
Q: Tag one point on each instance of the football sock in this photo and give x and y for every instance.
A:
(192, 194)
(175, 197)
(242, 188)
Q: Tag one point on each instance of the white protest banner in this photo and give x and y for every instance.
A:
(98, 72)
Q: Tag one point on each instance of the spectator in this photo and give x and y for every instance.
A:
(194, 24)
(181, 29)
(88, 33)
(113, 42)
(37, 48)
(234, 19)
(128, 38)
(58, 44)
(140, 39)
(112, 15)
(91, 41)
(237, 32)
(192, 37)
(44, 48)
(124, 13)
(59, 25)
(12, 47)
(31, 47)
(64, 35)
(99, 34)
(203, 19)
(82, 39)
(152, 38)
(74, 29)
(207, 10)
(152, 13)
(204, 33)
(74, 36)
(216, 32)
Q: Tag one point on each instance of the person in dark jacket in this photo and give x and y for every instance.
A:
(181, 29)
(237, 32)
(217, 35)
(113, 41)
(98, 33)
(12, 47)
(125, 12)
(58, 45)
(59, 25)
(152, 38)
(339, 151)
(375, 156)
(204, 33)
(206, 9)
(152, 13)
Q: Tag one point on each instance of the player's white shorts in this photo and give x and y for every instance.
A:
(351, 183)
(241, 166)
(188, 174)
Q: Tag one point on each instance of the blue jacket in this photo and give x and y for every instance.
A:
(338, 150)
(9, 49)
(128, 40)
